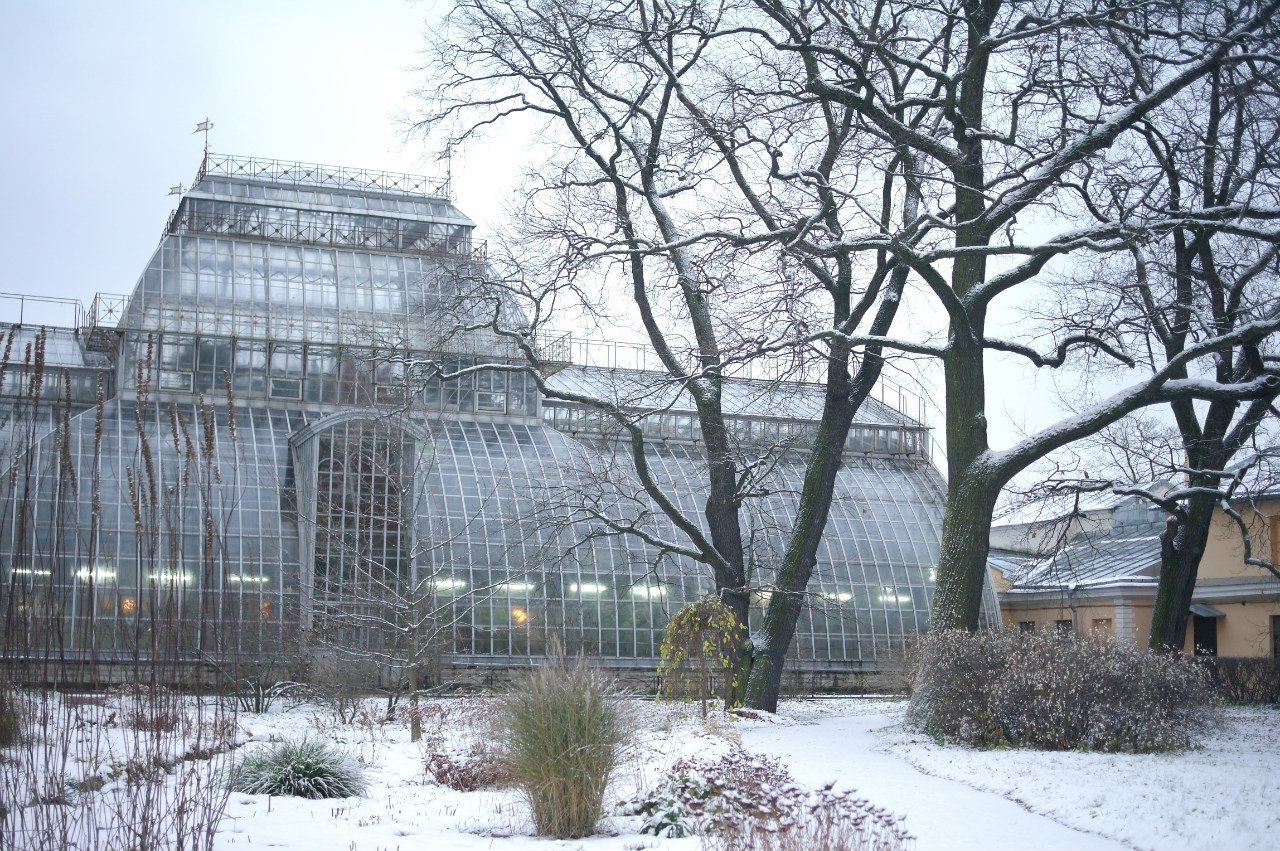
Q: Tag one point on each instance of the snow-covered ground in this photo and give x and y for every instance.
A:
(1223, 795)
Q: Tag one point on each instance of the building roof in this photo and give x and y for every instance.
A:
(1010, 563)
(1259, 475)
(62, 347)
(1092, 559)
(343, 181)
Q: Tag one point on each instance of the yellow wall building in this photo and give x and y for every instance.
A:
(1101, 577)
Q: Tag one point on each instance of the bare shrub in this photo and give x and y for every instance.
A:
(1246, 681)
(10, 716)
(149, 707)
(256, 681)
(1057, 692)
(562, 728)
(81, 779)
(457, 748)
(154, 719)
(744, 802)
(339, 683)
(696, 794)
(480, 767)
(820, 820)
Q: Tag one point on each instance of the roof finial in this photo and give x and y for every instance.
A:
(204, 127)
(447, 156)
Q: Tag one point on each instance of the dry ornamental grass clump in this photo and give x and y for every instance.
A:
(562, 729)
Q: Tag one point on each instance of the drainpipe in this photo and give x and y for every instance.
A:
(1071, 605)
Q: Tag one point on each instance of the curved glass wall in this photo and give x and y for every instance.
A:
(256, 451)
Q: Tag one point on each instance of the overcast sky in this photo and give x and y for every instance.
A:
(100, 101)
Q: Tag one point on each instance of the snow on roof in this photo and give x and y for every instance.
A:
(1011, 563)
(62, 347)
(1090, 560)
(1260, 474)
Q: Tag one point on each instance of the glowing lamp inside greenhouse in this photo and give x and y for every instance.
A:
(894, 598)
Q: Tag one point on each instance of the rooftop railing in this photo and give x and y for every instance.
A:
(400, 239)
(328, 176)
(21, 308)
(617, 354)
(556, 348)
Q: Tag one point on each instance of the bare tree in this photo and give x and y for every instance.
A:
(699, 180)
(1152, 460)
(1214, 273)
(767, 181)
(1033, 110)
(385, 599)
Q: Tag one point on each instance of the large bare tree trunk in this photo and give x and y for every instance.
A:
(962, 560)
(1181, 547)
(764, 681)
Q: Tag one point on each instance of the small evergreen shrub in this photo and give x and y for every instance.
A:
(993, 689)
(561, 729)
(306, 768)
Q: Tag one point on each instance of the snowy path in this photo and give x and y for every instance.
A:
(943, 814)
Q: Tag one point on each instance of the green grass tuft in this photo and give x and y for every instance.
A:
(302, 769)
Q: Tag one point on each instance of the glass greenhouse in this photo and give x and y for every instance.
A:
(249, 448)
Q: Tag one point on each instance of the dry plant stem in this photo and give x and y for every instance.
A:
(83, 778)
(141, 767)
